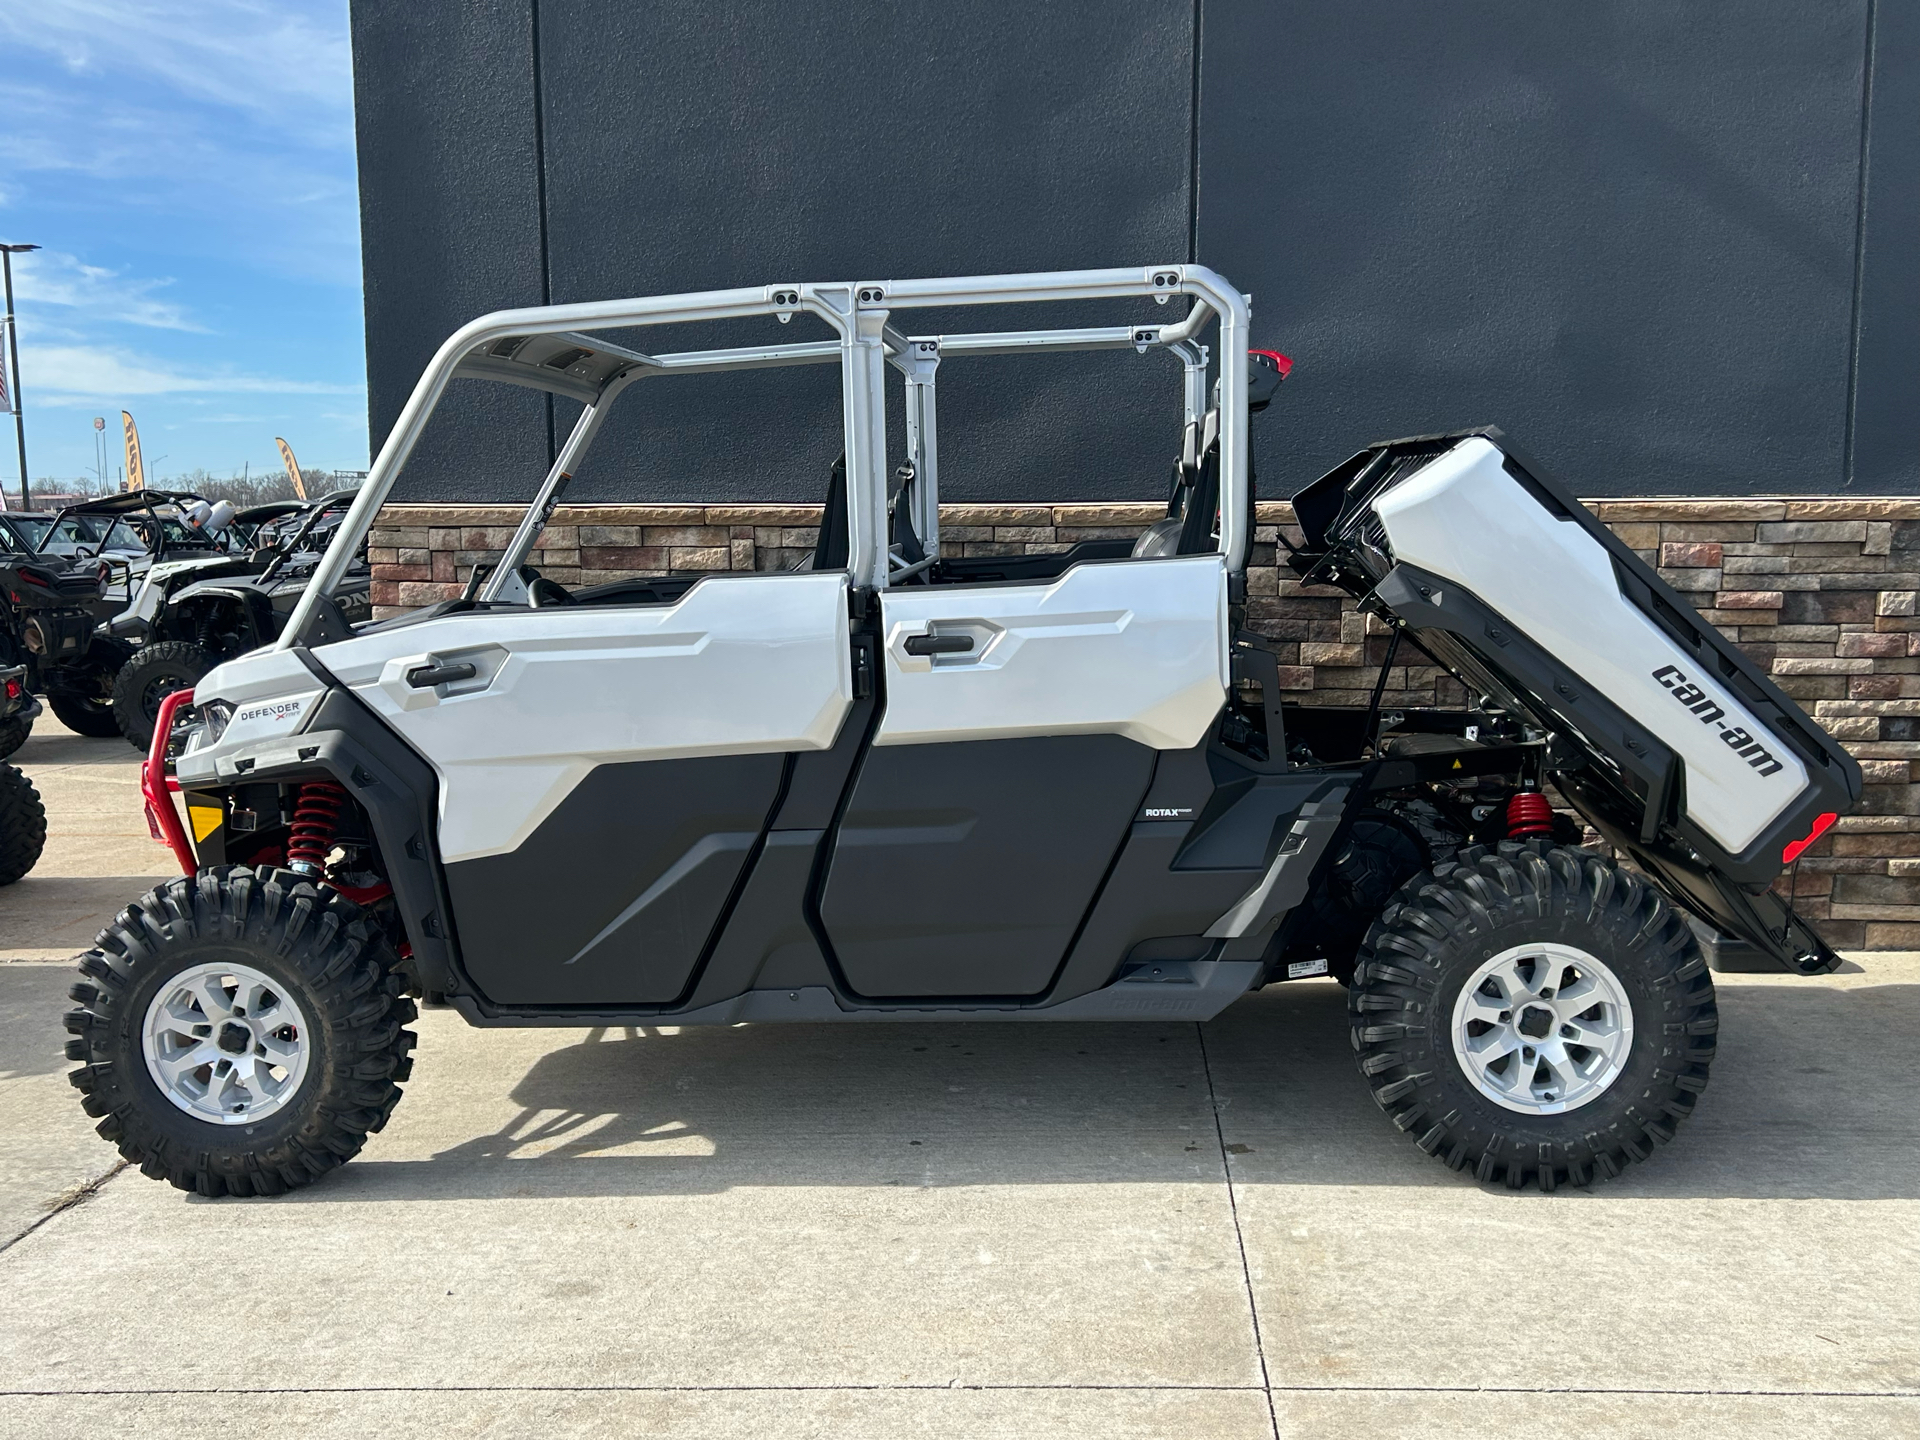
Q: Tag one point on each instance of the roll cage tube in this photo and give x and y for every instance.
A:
(117, 508)
(321, 510)
(866, 344)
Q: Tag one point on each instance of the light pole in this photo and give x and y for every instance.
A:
(7, 252)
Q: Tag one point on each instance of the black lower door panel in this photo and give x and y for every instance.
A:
(965, 869)
(612, 899)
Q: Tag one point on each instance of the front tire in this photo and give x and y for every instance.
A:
(240, 1032)
(1534, 1015)
(145, 681)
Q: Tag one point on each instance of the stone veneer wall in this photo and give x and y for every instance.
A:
(1824, 593)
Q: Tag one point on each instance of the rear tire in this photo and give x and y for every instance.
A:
(1497, 952)
(146, 680)
(327, 1012)
(89, 715)
(23, 825)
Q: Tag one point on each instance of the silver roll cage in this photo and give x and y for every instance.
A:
(551, 348)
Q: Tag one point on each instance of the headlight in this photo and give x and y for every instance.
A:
(214, 716)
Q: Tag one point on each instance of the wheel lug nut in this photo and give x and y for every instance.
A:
(1526, 1053)
(1568, 1032)
(1546, 994)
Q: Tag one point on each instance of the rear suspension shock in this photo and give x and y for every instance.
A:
(316, 820)
(1528, 813)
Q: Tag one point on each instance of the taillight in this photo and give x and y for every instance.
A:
(34, 577)
(1820, 827)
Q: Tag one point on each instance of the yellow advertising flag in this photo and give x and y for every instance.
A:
(293, 467)
(136, 474)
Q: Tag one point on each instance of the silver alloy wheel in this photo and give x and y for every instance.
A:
(1542, 1029)
(226, 1043)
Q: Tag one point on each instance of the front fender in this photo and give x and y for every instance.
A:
(343, 740)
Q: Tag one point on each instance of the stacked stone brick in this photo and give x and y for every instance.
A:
(1822, 593)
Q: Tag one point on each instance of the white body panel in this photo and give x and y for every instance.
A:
(257, 675)
(739, 665)
(1135, 648)
(1465, 519)
(152, 589)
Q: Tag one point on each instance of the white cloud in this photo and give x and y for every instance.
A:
(72, 374)
(229, 122)
(255, 55)
(97, 293)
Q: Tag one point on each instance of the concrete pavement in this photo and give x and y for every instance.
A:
(974, 1230)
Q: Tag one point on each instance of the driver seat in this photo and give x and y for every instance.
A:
(1188, 526)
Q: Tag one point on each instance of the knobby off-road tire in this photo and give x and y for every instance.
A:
(1446, 927)
(14, 731)
(300, 952)
(23, 825)
(89, 715)
(154, 672)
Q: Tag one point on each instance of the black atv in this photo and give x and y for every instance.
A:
(50, 606)
(188, 621)
(76, 574)
(18, 709)
(23, 822)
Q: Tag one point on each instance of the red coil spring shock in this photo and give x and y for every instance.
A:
(1528, 813)
(316, 819)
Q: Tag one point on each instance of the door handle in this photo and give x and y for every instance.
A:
(938, 644)
(426, 676)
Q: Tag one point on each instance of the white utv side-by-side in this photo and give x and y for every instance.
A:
(898, 783)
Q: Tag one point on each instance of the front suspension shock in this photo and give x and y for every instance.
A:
(316, 820)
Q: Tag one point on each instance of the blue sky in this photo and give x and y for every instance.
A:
(189, 167)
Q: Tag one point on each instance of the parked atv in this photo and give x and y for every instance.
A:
(910, 785)
(188, 621)
(18, 709)
(50, 606)
(78, 574)
(139, 530)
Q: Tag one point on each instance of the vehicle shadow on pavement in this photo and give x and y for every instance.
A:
(1810, 1099)
(51, 743)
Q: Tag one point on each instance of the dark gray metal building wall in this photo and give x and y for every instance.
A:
(1669, 247)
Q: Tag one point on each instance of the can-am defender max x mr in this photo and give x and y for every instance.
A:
(904, 784)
